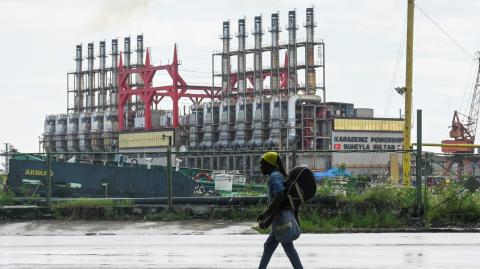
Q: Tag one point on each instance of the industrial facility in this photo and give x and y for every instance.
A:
(276, 104)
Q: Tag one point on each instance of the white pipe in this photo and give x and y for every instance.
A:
(292, 101)
(272, 118)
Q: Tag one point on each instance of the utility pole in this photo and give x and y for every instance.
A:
(419, 164)
(408, 94)
(169, 171)
(6, 158)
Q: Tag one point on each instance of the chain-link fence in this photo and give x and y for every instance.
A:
(450, 189)
(442, 190)
(166, 175)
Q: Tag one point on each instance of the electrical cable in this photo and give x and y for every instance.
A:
(469, 85)
(470, 56)
(393, 80)
(396, 69)
(195, 71)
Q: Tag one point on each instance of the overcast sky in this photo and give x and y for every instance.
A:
(362, 39)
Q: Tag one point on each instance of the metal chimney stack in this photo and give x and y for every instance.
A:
(258, 105)
(78, 96)
(257, 61)
(274, 55)
(139, 105)
(126, 55)
(114, 90)
(292, 53)
(102, 93)
(140, 54)
(242, 82)
(310, 76)
(91, 79)
(226, 58)
(241, 105)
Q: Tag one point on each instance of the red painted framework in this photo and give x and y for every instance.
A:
(178, 89)
(150, 94)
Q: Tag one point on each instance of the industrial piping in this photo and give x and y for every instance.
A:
(292, 101)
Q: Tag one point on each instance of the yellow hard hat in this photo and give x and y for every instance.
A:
(270, 157)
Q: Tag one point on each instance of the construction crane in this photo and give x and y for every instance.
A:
(463, 131)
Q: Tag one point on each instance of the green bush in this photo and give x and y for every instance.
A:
(381, 206)
(383, 198)
(7, 198)
(453, 206)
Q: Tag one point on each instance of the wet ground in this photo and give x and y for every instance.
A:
(220, 245)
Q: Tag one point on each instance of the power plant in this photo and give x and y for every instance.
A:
(279, 103)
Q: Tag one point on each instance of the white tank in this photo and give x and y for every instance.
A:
(49, 125)
(85, 123)
(61, 124)
(49, 133)
(84, 128)
(257, 123)
(97, 131)
(61, 133)
(226, 115)
(110, 121)
(97, 122)
(72, 132)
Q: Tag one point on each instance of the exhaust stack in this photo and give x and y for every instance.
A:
(292, 53)
(114, 91)
(257, 61)
(274, 55)
(78, 97)
(310, 76)
(226, 58)
(242, 82)
(102, 93)
(91, 79)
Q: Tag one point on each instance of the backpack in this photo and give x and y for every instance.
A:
(300, 186)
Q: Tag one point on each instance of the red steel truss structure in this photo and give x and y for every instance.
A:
(179, 88)
(151, 94)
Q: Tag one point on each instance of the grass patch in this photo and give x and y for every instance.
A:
(91, 209)
(7, 198)
(383, 206)
(249, 213)
(170, 215)
(234, 213)
(85, 202)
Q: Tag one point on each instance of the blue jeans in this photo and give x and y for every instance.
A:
(270, 246)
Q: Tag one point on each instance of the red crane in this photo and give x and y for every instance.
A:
(463, 131)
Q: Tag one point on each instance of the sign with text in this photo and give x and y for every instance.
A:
(366, 140)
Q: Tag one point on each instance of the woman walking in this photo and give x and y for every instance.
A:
(271, 165)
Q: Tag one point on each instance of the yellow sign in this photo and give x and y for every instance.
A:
(377, 125)
(37, 172)
(145, 139)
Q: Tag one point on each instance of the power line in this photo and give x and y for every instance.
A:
(195, 71)
(445, 33)
(392, 82)
(469, 85)
(396, 68)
